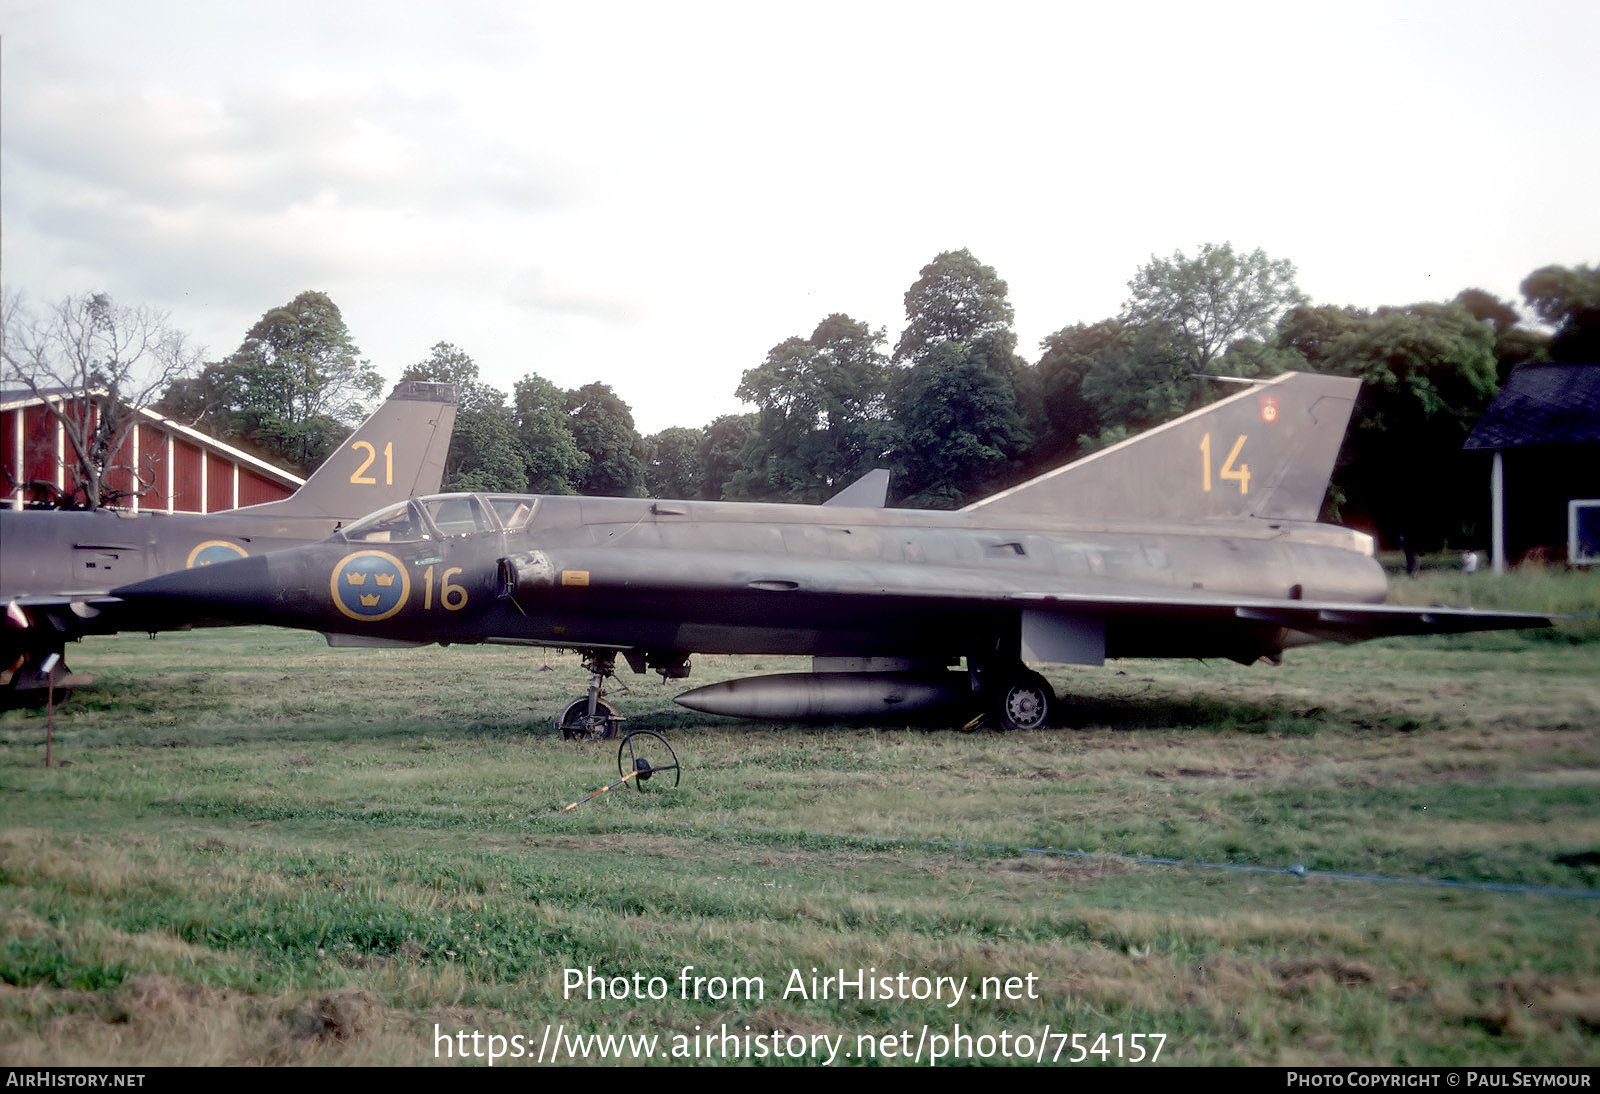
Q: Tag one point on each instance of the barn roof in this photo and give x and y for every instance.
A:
(1542, 404)
(14, 396)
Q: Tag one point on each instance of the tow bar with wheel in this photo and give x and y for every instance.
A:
(641, 756)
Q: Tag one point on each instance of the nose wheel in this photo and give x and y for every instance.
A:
(577, 724)
(592, 718)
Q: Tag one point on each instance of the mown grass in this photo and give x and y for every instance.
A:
(260, 850)
(1554, 590)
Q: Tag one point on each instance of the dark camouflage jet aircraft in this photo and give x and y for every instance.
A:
(1196, 539)
(56, 568)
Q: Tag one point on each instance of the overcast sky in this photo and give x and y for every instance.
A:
(655, 194)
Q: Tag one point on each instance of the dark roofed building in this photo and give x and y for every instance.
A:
(1544, 431)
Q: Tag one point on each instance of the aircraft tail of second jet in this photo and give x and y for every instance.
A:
(398, 452)
(1267, 452)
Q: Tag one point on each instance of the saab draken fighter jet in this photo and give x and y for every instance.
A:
(1196, 539)
(56, 568)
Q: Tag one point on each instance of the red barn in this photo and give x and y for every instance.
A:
(185, 470)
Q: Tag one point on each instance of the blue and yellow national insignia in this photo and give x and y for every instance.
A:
(214, 550)
(369, 585)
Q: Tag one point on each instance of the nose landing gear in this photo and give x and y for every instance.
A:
(592, 718)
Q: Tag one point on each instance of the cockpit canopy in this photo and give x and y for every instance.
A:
(443, 516)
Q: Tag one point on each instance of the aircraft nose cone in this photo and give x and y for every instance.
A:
(234, 590)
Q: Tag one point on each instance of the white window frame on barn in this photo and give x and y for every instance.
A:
(1583, 532)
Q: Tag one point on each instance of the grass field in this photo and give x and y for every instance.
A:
(256, 849)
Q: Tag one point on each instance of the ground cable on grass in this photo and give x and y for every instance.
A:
(1296, 870)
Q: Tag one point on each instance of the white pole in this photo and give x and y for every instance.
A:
(1497, 498)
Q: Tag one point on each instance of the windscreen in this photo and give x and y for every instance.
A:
(401, 523)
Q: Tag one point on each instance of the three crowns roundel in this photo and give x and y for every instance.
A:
(369, 585)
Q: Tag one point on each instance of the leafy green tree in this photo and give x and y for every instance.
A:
(1027, 396)
(1108, 380)
(1214, 312)
(1438, 357)
(1067, 357)
(293, 388)
(1137, 380)
(1517, 346)
(955, 299)
(964, 377)
(1568, 300)
(1428, 372)
(673, 468)
(1253, 357)
(1514, 343)
(602, 427)
(1210, 301)
(550, 454)
(720, 452)
(1489, 308)
(821, 420)
(483, 449)
(449, 364)
(962, 430)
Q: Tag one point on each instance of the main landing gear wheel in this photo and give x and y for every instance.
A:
(577, 725)
(646, 754)
(1024, 702)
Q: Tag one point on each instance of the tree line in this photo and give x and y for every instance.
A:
(953, 409)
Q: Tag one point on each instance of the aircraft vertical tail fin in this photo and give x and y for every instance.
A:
(1265, 452)
(396, 453)
(870, 491)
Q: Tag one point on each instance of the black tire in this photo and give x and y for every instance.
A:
(1024, 702)
(575, 726)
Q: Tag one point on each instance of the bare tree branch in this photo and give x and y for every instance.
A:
(95, 365)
